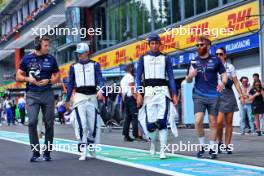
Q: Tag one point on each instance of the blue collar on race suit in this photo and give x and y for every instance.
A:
(154, 54)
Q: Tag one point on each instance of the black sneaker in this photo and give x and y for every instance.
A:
(212, 154)
(219, 147)
(259, 133)
(35, 157)
(46, 157)
(128, 139)
(228, 150)
(200, 153)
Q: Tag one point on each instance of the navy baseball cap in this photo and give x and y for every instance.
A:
(153, 37)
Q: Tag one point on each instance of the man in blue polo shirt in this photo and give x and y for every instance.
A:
(205, 69)
(39, 70)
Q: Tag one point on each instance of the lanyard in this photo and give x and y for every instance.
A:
(204, 68)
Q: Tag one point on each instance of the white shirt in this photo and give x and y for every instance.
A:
(230, 70)
(125, 81)
(7, 104)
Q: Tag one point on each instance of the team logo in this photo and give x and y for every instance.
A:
(35, 69)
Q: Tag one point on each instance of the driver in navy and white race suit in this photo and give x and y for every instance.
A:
(85, 76)
(157, 108)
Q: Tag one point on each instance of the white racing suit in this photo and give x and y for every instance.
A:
(85, 76)
(86, 119)
(157, 111)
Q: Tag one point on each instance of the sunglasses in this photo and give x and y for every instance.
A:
(219, 54)
(200, 45)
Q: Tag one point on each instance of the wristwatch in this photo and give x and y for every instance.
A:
(49, 81)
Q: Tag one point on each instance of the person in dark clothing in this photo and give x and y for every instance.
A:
(256, 95)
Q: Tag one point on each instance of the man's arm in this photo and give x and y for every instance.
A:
(224, 78)
(100, 82)
(21, 77)
(191, 73)
(55, 78)
(70, 84)
(222, 71)
(172, 84)
(139, 72)
(98, 74)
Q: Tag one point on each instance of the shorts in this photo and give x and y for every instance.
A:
(202, 104)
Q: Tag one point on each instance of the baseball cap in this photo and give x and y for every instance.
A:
(82, 48)
(154, 37)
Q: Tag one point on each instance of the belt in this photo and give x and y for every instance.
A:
(156, 82)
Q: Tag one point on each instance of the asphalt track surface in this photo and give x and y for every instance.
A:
(14, 157)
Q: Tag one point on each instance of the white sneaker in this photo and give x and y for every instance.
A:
(152, 149)
(84, 154)
(82, 158)
(0, 124)
(162, 154)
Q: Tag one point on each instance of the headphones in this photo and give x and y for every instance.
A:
(37, 43)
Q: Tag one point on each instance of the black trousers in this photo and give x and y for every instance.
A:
(22, 115)
(131, 116)
(45, 102)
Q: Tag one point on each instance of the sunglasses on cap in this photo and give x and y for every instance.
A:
(219, 54)
(200, 45)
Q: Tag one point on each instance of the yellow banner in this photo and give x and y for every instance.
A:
(226, 24)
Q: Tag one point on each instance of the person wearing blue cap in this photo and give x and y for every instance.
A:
(157, 108)
(85, 75)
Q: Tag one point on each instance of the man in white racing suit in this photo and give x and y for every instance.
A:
(85, 76)
(157, 109)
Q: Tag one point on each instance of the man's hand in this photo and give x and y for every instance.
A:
(100, 96)
(43, 82)
(139, 100)
(192, 72)
(67, 106)
(242, 100)
(174, 100)
(31, 80)
(220, 87)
